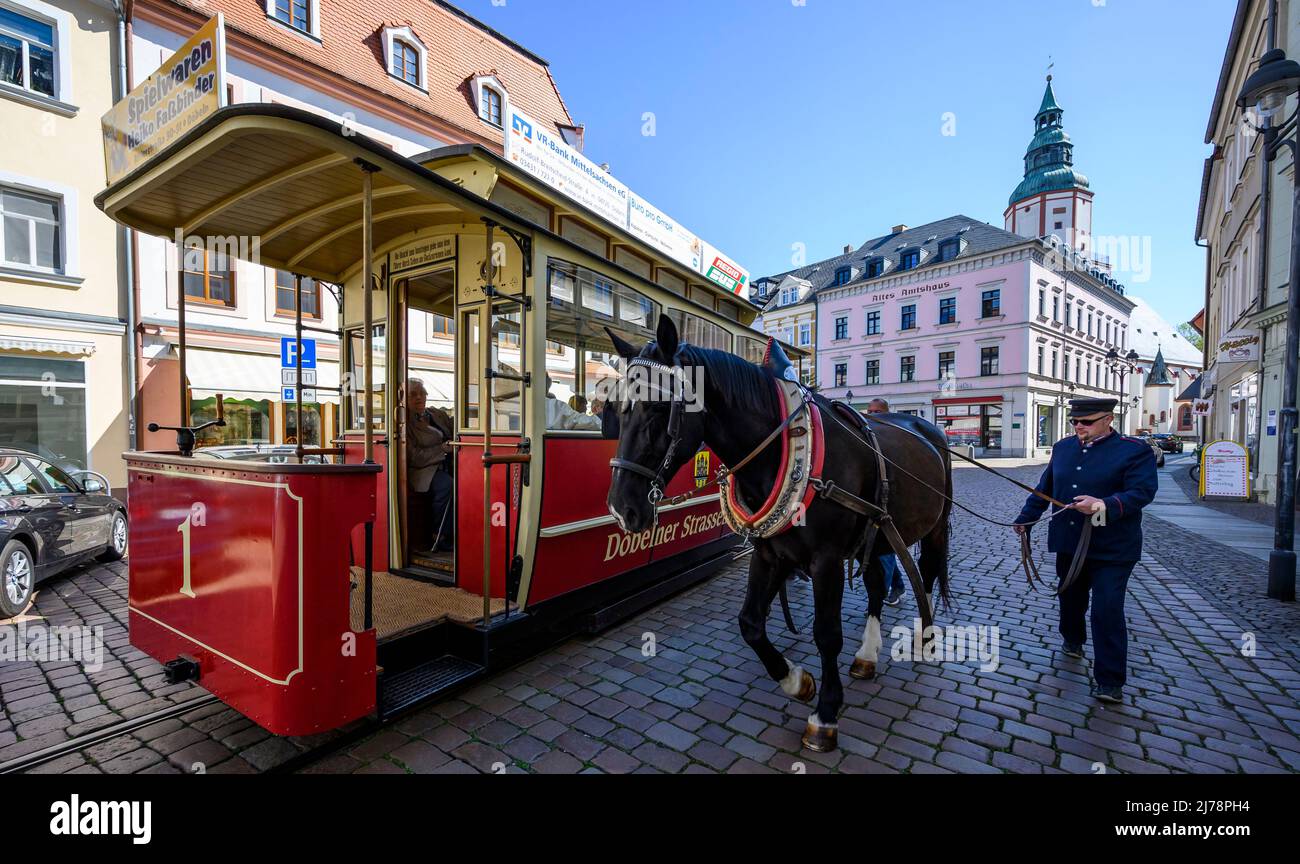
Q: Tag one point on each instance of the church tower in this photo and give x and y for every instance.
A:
(1053, 198)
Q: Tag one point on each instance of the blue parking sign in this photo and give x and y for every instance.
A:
(289, 349)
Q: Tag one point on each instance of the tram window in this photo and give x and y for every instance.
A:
(354, 388)
(698, 332)
(580, 373)
(504, 358)
(751, 349)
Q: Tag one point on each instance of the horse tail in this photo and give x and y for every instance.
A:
(934, 546)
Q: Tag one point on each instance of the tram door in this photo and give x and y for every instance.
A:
(426, 505)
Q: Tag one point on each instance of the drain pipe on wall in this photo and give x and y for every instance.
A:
(123, 87)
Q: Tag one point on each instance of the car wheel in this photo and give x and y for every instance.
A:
(117, 537)
(1160, 463)
(17, 579)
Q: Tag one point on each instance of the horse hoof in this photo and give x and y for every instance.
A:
(807, 688)
(863, 670)
(820, 739)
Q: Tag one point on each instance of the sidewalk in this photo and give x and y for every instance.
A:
(1174, 505)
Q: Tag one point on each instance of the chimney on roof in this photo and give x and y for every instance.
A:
(898, 229)
(847, 248)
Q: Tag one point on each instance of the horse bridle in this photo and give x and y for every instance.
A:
(659, 479)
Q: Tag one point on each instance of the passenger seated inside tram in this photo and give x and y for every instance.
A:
(603, 406)
(561, 417)
(429, 432)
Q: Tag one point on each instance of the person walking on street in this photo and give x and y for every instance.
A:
(893, 573)
(1097, 470)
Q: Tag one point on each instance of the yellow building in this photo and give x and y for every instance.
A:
(789, 312)
(63, 333)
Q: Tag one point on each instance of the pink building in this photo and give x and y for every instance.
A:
(985, 331)
(982, 331)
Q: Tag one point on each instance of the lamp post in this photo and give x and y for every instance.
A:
(1267, 90)
(1061, 399)
(1122, 366)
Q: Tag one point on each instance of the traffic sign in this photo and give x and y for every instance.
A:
(290, 394)
(289, 377)
(289, 353)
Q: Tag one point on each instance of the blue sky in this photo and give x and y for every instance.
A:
(822, 123)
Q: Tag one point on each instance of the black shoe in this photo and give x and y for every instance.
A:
(1069, 649)
(1113, 695)
(894, 597)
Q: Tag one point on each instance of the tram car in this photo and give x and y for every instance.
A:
(340, 582)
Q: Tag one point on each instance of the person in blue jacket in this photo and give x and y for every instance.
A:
(1096, 469)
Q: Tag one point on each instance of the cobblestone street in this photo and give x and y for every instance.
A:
(702, 703)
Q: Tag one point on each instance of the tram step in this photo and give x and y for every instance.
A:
(403, 689)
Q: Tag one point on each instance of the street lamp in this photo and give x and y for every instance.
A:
(1267, 89)
(1122, 366)
(1061, 399)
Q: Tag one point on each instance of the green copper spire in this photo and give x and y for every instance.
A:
(1049, 159)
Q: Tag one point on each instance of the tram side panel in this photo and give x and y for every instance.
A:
(579, 543)
(246, 572)
(503, 513)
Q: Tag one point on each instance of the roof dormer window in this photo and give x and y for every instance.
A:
(875, 267)
(405, 55)
(843, 276)
(949, 249)
(490, 98)
(301, 15)
(909, 259)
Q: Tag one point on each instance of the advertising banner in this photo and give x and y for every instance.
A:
(183, 92)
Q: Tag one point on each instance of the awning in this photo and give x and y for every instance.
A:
(291, 179)
(248, 376)
(46, 346)
(1193, 391)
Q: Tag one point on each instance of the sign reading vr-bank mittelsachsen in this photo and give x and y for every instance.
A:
(543, 154)
(184, 91)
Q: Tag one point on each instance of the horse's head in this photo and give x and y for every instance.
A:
(661, 426)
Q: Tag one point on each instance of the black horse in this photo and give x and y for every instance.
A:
(740, 410)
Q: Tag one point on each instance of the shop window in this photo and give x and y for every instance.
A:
(313, 424)
(284, 299)
(209, 277)
(27, 52)
(32, 230)
(43, 408)
(248, 421)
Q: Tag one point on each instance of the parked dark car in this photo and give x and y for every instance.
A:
(1169, 443)
(51, 520)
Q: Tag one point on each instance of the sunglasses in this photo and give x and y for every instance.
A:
(1076, 421)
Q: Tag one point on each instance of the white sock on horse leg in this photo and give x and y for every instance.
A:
(871, 641)
(815, 722)
(792, 683)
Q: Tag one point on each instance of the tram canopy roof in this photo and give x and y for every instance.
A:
(288, 181)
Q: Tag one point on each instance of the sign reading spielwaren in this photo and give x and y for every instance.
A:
(183, 92)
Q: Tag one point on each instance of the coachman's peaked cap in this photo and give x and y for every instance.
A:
(1084, 407)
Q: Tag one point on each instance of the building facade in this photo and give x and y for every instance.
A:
(789, 313)
(1167, 364)
(986, 331)
(63, 308)
(1244, 223)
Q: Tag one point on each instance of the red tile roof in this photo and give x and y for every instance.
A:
(458, 47)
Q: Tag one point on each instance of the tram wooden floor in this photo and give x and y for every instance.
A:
(402, 605)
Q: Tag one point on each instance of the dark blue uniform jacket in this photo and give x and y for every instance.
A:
(1120, 471)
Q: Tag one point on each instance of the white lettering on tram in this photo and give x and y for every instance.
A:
(621, 543)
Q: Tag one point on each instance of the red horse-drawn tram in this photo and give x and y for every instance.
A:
(459, 519)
